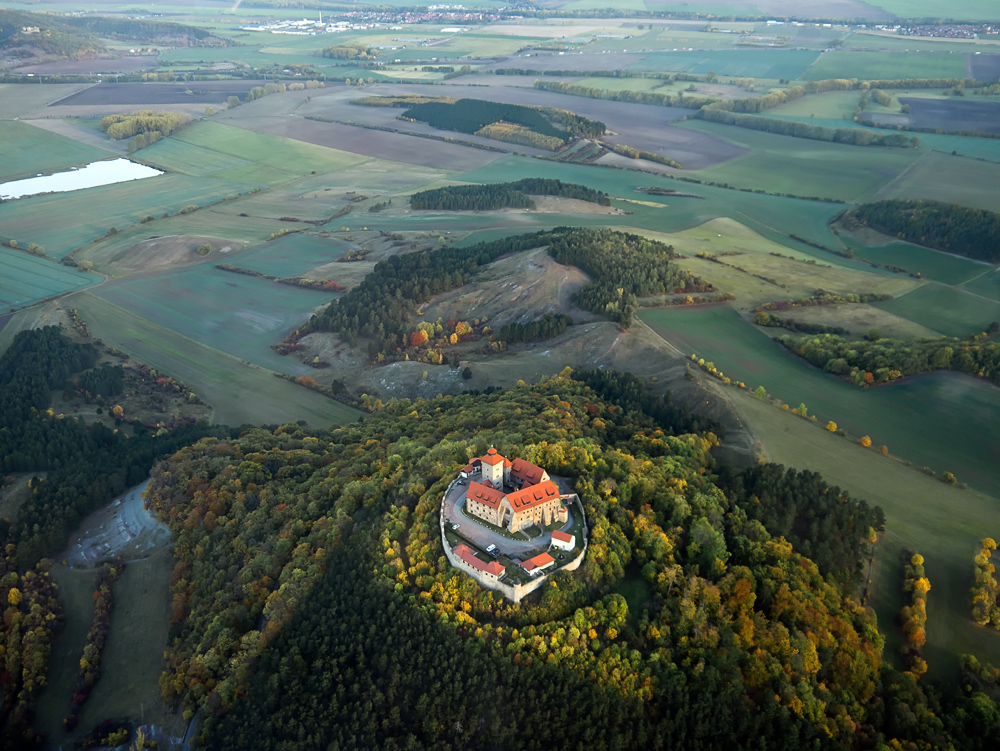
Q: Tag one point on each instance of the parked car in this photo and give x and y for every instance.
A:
(455, 526)
(491, 549)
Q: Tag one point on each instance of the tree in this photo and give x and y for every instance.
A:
(831, 426)
(467, 373)
(760, 393)
(865, 441)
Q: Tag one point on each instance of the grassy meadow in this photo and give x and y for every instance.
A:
(946, 309)
(26, 151)
(942, 523)
(961, 412)
(784, 164)
(291, 255)
(28, 279)
(238, 391)
(884, 65)
(234, 313)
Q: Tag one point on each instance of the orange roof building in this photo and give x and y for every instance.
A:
(563, 541)
(539, 563)
(534, 500)
(492, 570)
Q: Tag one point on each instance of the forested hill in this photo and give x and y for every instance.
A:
(943, 226)
(622, 268)
(371, 640)
(502, 195)
(54, 36)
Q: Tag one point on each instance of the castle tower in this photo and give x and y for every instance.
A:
(493, 468)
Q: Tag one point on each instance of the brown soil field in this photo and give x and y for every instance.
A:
(169, 252)
(982, 67)
(126, 64)
(397, 147)
(640, 126)
(134, 94)
(19, 100)
(947, 115)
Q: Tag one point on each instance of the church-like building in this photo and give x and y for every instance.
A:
(535, 499)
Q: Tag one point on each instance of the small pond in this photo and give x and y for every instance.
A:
(94, 174)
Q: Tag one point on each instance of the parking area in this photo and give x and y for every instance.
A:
(476, 532)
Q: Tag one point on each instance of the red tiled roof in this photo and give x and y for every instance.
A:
(492, 457)
(562, 536)
(464, 552)
(468, 469)
(526, 471)
(484, 494)
(533, 495)
(539, 561)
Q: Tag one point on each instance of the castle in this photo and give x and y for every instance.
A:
(534, 500)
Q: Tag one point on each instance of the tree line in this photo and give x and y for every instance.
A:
(548, 326)
(957, 229)
(796, 129)
(865, 363)
(624, 95)
(492, 196)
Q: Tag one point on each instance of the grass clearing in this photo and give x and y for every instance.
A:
(174, 155)
(946, 309)
(76, 590)
(942, 523)
(133, 656)
(238, 314)
(85, 215)
(274, 152)
(962, 413)
(886, 65)
(953, 179)
(238, 391)
(750, 63)
(932, 264)
(28, 279)
(834, 105)
(784, 164)
(987, 284)
(26, 151)
(292, 255)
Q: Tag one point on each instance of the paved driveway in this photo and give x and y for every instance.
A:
(453, 510)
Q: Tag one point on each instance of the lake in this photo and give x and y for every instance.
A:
(94, 174)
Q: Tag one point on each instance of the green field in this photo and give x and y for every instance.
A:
(961, 413)
(177, 156)
(932, 264)
(942, 523)
(945, 309)
(26, 151)
(272, 158)
(885, 65)
(29, 279)
(976, 148)
(89, 214)
(770, 216)
(76, 589)
(291, 255)
(783, 164)
(987, 285)
(750, 63)
(234, 313)
(832, 105)
(967, 10)
(952, 179)
(238, 391)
